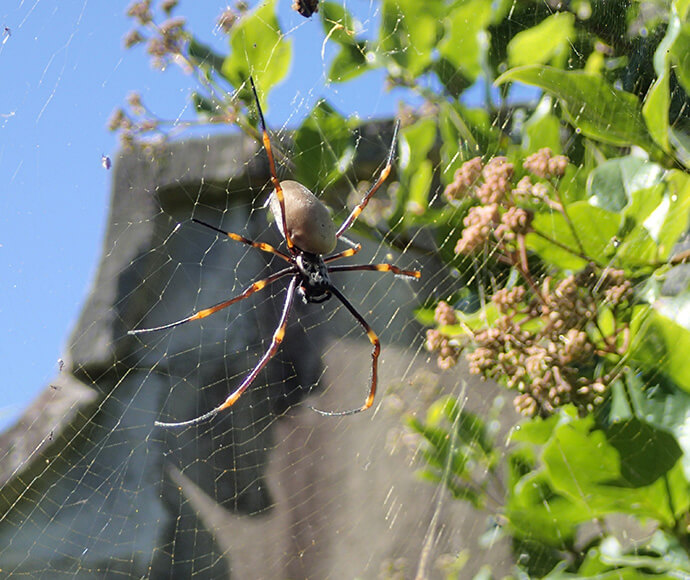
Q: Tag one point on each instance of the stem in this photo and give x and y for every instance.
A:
(567, 219)
(566, 248)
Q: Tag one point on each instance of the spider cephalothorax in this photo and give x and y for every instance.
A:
(315, 284)
(311, 237)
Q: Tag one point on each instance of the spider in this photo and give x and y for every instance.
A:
(310, 236)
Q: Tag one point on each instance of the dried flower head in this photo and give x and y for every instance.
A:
(168, 6)
(465, 177)
(119, 120)
(497, 175)
(545, 165)
(135, 103)
(141, 12)
(447, 353)
(132, 38)
(479, 222)
(444, 314)
(227, 20)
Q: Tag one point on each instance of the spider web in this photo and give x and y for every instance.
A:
(268, 488)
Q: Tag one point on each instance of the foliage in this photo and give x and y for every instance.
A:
(560, 220)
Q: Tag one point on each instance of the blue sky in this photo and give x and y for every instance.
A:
(64, 70)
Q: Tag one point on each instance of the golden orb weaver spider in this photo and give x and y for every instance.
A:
(310, 236)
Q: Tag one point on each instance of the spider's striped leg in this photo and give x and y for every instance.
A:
(374, 188)
(378, 268)
(255, 287)
(272, 165)
(344, 254)
(278, 336)
(376, 344)
(238, 238)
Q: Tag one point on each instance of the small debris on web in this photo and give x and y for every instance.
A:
(306, 7)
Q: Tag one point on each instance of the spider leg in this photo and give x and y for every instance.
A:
(378, 268)
(374, 188)
(272, 165)
(255, 287)
(344, 254)
(259, 245)
(278, 336)
(376, 344)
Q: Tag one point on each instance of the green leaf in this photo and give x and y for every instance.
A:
(205, 55)
(542, 129)
(612, 184)
(258, 48)
(463, 44)
(409, 33)
(654, 202)
(455, 443)
(672, 53)
(337, 23)
(655, 111)
(416, 171)
(548, 41)
(339, 26)
(676, 308)
(675, 210)
(205, 106)
(646, 453)
(324, 147)
(562, 253)
(583, 473)
(593, 106)
(536, 513)
(659, 344)
(349, 63)
(659, 216)
(609, 560)
(662, 405)
(584, 467)
(415, 143)
(452, 79)
(637, 249)
(680, 49)
(470, 428)
(465, 133)
(419, 186)
(595, 229)
(539, 430)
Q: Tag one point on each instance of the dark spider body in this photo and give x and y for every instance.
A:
(314, 281)
(310, 236)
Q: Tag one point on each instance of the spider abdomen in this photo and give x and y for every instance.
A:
(309, 222)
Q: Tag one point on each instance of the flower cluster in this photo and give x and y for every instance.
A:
(164, 42)
(135, 123)
(465, 177)
(497, 216)
(546, 165)
(437, 342)
(228, 17)
(168, 42)
(544, 340)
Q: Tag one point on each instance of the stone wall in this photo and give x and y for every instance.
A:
(90, 488)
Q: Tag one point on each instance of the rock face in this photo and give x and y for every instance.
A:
(268, 489)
